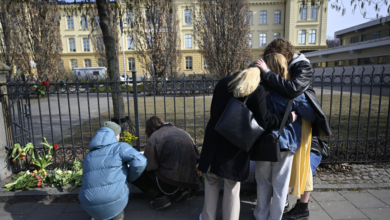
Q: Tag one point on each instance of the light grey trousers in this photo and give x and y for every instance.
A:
(231, 198)
(272, 179)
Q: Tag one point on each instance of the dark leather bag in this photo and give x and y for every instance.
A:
(320, 147)
(267, 147)
(238, 125)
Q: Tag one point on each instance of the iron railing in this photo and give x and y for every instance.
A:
(356, 100)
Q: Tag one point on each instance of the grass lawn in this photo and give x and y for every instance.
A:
(192, 115)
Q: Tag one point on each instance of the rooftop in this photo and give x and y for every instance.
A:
(360, 27)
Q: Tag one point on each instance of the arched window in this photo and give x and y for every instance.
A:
(73, 64)
(188, 41)
(302, 37)
(187, 17)
(313, 12)
(263, 17)
(303, 13)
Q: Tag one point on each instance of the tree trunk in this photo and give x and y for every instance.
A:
(112, 59)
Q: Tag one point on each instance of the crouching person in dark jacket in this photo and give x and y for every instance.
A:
(171, 170)
(108, 168)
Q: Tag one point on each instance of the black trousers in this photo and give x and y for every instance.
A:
(147, 183)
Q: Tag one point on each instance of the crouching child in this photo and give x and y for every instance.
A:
(109, 167)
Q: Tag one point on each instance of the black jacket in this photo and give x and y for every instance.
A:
(301, 82)
(225, 159)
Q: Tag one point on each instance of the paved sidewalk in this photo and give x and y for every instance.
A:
(326, 205)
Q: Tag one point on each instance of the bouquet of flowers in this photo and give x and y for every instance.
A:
(41, 88)
(128, 138)
(19, 152)
(25, 181)
(44, 159)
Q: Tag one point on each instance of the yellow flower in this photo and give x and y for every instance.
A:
(35, 171)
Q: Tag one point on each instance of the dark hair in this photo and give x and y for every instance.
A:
(152, 124)
(282, 46)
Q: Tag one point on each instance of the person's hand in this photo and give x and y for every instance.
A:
(261, 64)
(294, 115)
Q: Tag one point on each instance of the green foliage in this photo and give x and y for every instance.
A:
(24, 181)
(60, 177)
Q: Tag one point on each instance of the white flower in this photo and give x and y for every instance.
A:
(28, 172)
(69, 171)
(59, 172)
(46, 156)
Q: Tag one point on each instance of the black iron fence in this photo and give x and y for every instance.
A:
(356, 100)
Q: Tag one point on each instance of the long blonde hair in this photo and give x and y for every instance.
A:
(278, 64)
(245, 83)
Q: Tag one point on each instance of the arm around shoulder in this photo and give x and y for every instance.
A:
(136, 161)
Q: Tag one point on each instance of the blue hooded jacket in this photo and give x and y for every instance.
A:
(107, 176)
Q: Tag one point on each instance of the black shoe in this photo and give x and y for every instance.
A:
(160, 203)
(120, 216)
(299, 211)
(181, 195)
(287, 205)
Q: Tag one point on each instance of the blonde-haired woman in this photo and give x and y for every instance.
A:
(220, 159)
(273, 177)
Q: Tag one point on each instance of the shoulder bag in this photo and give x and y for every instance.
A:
(267, 147)
(238, 125)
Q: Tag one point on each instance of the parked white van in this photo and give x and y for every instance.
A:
(90, 72)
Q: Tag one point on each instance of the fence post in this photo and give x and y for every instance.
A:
(136, 114)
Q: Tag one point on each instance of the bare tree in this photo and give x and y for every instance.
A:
(155, 30)
(222, 34)
(332, 42)
(361, 6)
(32, 38)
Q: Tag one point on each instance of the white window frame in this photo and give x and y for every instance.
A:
(263, 17)
(302, 37)
(129, 18)
(278, 17)
(312, 36)
(131, 63)
(101, 63)
(187, 17)
(130, 43)
(70, 23)
(250, 17)
(188, 63)
(72, 44)
(276, 35)
(84, 22)
(73, 64)
(313, 12)
(303, 13)
(87, 63)
(205, 65)
(100, 43)
(86, 45)
(263, 40)
(188, 41)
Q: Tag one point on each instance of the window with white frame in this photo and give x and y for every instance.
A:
(101, 63)
(86, 44)
(97, 20)
(276, 35)
(263, 17)
(250, 40)
(303, 13)
(188, 41)
(187, 17)
(263, 39)
(87, 63)
(73, 64)
(302, 37)
(72, 45)
(249, 18)
(130, 43)
(278, 17)
(69, 20)
(129, 18)
(205, 65)
(313, 12)
(131, 62)
(84, 22)
(312, 36)
(100, 43)
(188, 63)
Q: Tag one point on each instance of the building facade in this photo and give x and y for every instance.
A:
(364, 44)
(304, 26)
